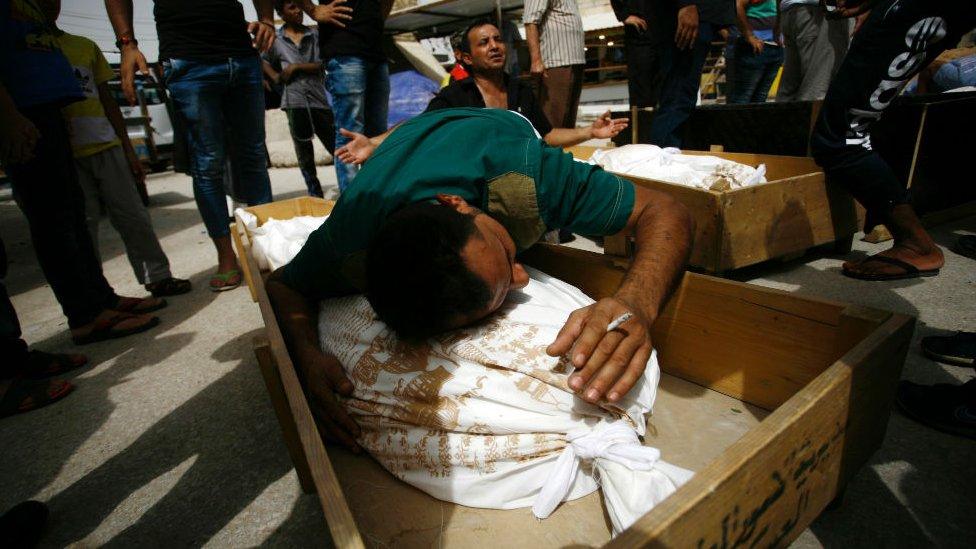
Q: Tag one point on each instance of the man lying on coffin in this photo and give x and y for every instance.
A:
(484, 56)
(433, 241)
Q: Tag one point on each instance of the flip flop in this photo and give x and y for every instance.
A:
(41, 365)
(169, 286)
(105, 329)
(959, 349)
(226, 280)
(24, 395)
(139, 305)
(910, 271)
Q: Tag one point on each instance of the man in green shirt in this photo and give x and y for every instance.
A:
(431, 230)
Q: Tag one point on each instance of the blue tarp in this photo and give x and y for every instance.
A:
(410, 92)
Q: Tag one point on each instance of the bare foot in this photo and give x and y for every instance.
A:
(873, 268)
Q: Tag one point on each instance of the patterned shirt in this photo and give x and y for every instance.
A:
(560, 31)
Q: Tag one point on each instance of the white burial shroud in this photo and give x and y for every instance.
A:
(699, 171)
(483, 417)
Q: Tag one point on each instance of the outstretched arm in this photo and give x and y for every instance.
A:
(603, 127)
(321, 374)
(609, 363)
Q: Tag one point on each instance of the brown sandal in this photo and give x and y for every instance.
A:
(139, 305)
(24, 395)
(105, 329)
(41, 365)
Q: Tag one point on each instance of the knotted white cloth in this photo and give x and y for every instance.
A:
(614, 441)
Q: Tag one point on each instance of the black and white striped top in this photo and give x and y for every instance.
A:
(560, 31)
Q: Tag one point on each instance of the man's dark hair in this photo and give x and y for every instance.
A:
(464, 44)
(279, 5)
(416, 279)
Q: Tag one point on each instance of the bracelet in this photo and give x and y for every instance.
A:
(125, 41)
(268, 24)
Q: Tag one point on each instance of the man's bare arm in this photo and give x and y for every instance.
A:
(359, 147)
(322, 375)
(603, 127)
(535, 51)
(269, 71)
(120, 14)
(332, 13)
(609, 363)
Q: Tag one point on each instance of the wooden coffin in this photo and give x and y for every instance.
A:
(774, 400)
(795, 211)
(913, 137)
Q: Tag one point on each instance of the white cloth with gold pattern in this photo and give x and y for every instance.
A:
(483, 417)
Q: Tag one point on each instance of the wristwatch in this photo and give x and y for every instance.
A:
(125, 41)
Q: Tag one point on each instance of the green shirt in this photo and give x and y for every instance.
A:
(490, 157)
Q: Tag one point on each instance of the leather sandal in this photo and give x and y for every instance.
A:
(23, 395)
(106, 329)
(42, 365)
(139, 305)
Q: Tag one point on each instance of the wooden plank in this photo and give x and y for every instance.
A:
(786, 217)
(235, 231)
(876, 362)
(617, 245)
(272, 380)
(766, 488)
(334, 505)
(762, 348)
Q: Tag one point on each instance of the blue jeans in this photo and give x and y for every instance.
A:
(360, 90)
(682, 71)
(218, 102)
(750, 75)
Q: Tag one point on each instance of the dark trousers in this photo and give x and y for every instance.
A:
(13, 349)
(679, 88)
(305, 125)
(892, 46)
(46, 189)
(751, 74)
(643, 67)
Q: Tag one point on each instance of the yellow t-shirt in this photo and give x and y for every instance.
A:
(91, 131)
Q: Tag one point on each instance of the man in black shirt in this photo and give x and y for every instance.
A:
(483, 53)
(693, 24)
(646, 30)
(357, 75)
(214, 77)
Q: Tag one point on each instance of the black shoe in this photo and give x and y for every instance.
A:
(23, 525)
(169, 287)
(943, 407)
(959, 349)
(966, 246)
